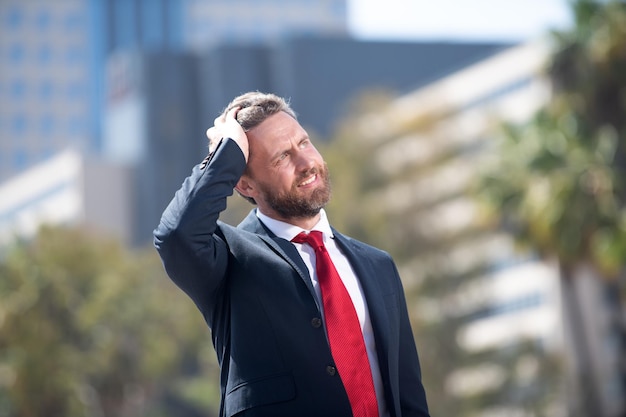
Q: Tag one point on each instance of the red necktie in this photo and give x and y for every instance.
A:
(344, 331)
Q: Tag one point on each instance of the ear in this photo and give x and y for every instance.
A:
(245, 186)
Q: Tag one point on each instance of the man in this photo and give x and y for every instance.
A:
(297, 332)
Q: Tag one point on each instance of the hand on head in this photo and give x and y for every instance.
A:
(226, 126)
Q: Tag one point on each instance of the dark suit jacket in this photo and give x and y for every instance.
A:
(256, 295)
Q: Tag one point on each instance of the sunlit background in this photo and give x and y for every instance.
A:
(455, 20)
(480, 143)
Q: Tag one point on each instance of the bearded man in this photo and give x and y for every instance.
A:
(304, 320)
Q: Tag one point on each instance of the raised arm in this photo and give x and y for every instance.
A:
(187, 237)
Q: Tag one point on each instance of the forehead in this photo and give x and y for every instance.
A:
(276, 131)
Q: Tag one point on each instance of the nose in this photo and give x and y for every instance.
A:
(304, 161)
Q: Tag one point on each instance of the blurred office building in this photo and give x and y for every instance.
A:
(209, 23)
(67, 189)
(438, 137)
(153, 126)
(324, 75)
(53, 55)
(138, 82)
(158, 105)
(47, 93)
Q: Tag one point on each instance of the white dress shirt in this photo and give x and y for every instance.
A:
(288, 231)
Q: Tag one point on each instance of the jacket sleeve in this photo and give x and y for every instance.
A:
(412, 393)
(411, 396)
(193, 253)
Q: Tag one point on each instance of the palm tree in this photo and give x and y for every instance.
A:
(558, 183)
(390, 185)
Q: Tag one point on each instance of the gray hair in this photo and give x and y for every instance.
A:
(256, 107)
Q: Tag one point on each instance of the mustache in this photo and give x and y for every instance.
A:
(308, 173)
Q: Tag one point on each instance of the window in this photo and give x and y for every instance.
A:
(75, 55)
(42, 21)
(18, 124)
(14, 18)
(47, 153)
(124, 21)
(75, 91)
(16, 53)
(20, 159)
(74, 21)
(46, 125)
(46, 90)
(17, 89)
(44, 55)
(76, 125)
(151, 26)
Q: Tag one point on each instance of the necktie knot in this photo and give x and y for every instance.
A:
(314, 238)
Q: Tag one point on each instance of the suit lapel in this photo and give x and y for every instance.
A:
(281, 247)
(359, 260)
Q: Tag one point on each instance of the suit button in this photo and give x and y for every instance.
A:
(331, 370)
(316, 322)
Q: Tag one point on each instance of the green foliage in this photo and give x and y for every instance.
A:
(367, 181)
(559, 180)
(588, 67)
(89, 328)
(558, 193)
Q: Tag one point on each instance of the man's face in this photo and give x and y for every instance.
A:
(288, 177)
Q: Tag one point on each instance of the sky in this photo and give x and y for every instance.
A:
(458, 20)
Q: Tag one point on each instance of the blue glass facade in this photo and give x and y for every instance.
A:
(45, 82)
(53, 56)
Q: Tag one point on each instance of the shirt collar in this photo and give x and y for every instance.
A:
(289, 231)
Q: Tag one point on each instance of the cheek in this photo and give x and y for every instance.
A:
(288, 181)
(282, 178)
(314, 153)
(319, 159)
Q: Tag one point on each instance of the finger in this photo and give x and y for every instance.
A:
(232, 113)
(210, 133)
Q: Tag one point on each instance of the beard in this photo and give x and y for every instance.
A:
(293, 205)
